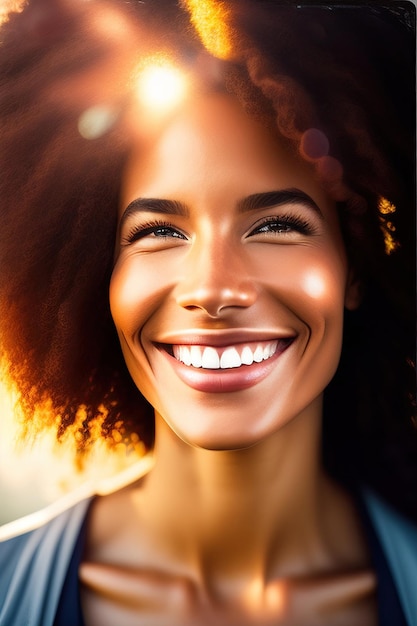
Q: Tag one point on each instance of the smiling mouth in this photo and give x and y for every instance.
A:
(228, 357)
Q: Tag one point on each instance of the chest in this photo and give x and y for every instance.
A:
(118, 596)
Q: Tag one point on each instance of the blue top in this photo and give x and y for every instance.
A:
(69, 611)
(389, 608)
(39, 569)
(390, 612)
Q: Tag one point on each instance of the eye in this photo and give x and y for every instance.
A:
(283, 225)
(156, 232)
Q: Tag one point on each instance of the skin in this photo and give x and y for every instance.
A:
(237, 523)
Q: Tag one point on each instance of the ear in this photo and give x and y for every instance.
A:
(353, 293)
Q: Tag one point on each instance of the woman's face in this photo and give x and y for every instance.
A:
(230, 277)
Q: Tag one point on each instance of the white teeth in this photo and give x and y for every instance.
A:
(270, 349)
(210, 359)
(196, 357)
(185, 355)
(258, 355)
(247, 356)
(230, 358)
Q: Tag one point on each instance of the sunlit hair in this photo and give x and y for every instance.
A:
(64, 90)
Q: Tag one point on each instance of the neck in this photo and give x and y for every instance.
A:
(231, 512)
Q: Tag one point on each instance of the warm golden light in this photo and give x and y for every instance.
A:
(36, 470)
(9, 6)
(270, 599)
(275, 598)
(161, 85)
(386, 208)
(210, 19)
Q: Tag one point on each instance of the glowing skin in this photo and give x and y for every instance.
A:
(218, 279)
(228, 291)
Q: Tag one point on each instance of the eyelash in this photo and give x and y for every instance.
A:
(143, 230)
(286, 223)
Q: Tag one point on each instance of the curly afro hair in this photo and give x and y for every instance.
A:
(346, 70)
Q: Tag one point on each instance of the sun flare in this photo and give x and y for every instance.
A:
(161, 85)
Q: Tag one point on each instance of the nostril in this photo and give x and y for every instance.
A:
(216, 300)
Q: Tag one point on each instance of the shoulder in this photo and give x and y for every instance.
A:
(34, 563)
(398, 538)
(35, 551)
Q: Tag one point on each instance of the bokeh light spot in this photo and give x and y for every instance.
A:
(95, 121)
(161, 85)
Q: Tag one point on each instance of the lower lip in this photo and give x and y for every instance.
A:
(227, 380)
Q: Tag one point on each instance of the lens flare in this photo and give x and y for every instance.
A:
(96, 121)
(161, 86)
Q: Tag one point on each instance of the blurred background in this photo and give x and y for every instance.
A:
(32, 474)
(35, 473)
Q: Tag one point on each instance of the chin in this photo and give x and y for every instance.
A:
(231, 445)
(222, 437)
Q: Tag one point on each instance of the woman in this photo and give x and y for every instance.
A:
(247, 231)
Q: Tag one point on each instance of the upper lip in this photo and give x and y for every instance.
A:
(223, 338)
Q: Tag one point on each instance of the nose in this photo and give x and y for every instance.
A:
(216, 280)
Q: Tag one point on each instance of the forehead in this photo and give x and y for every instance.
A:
(212, 146)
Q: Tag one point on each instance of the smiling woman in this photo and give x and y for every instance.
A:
(229, 277)
(204, 256)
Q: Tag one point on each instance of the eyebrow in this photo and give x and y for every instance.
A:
(253, 202)
(154, 205)
(271, 199)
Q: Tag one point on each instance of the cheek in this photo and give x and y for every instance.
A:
(310, 294)
(311, 281)
(133, 296)
(135, 290)
(315, 285)
(309, 290)
(322, 290)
